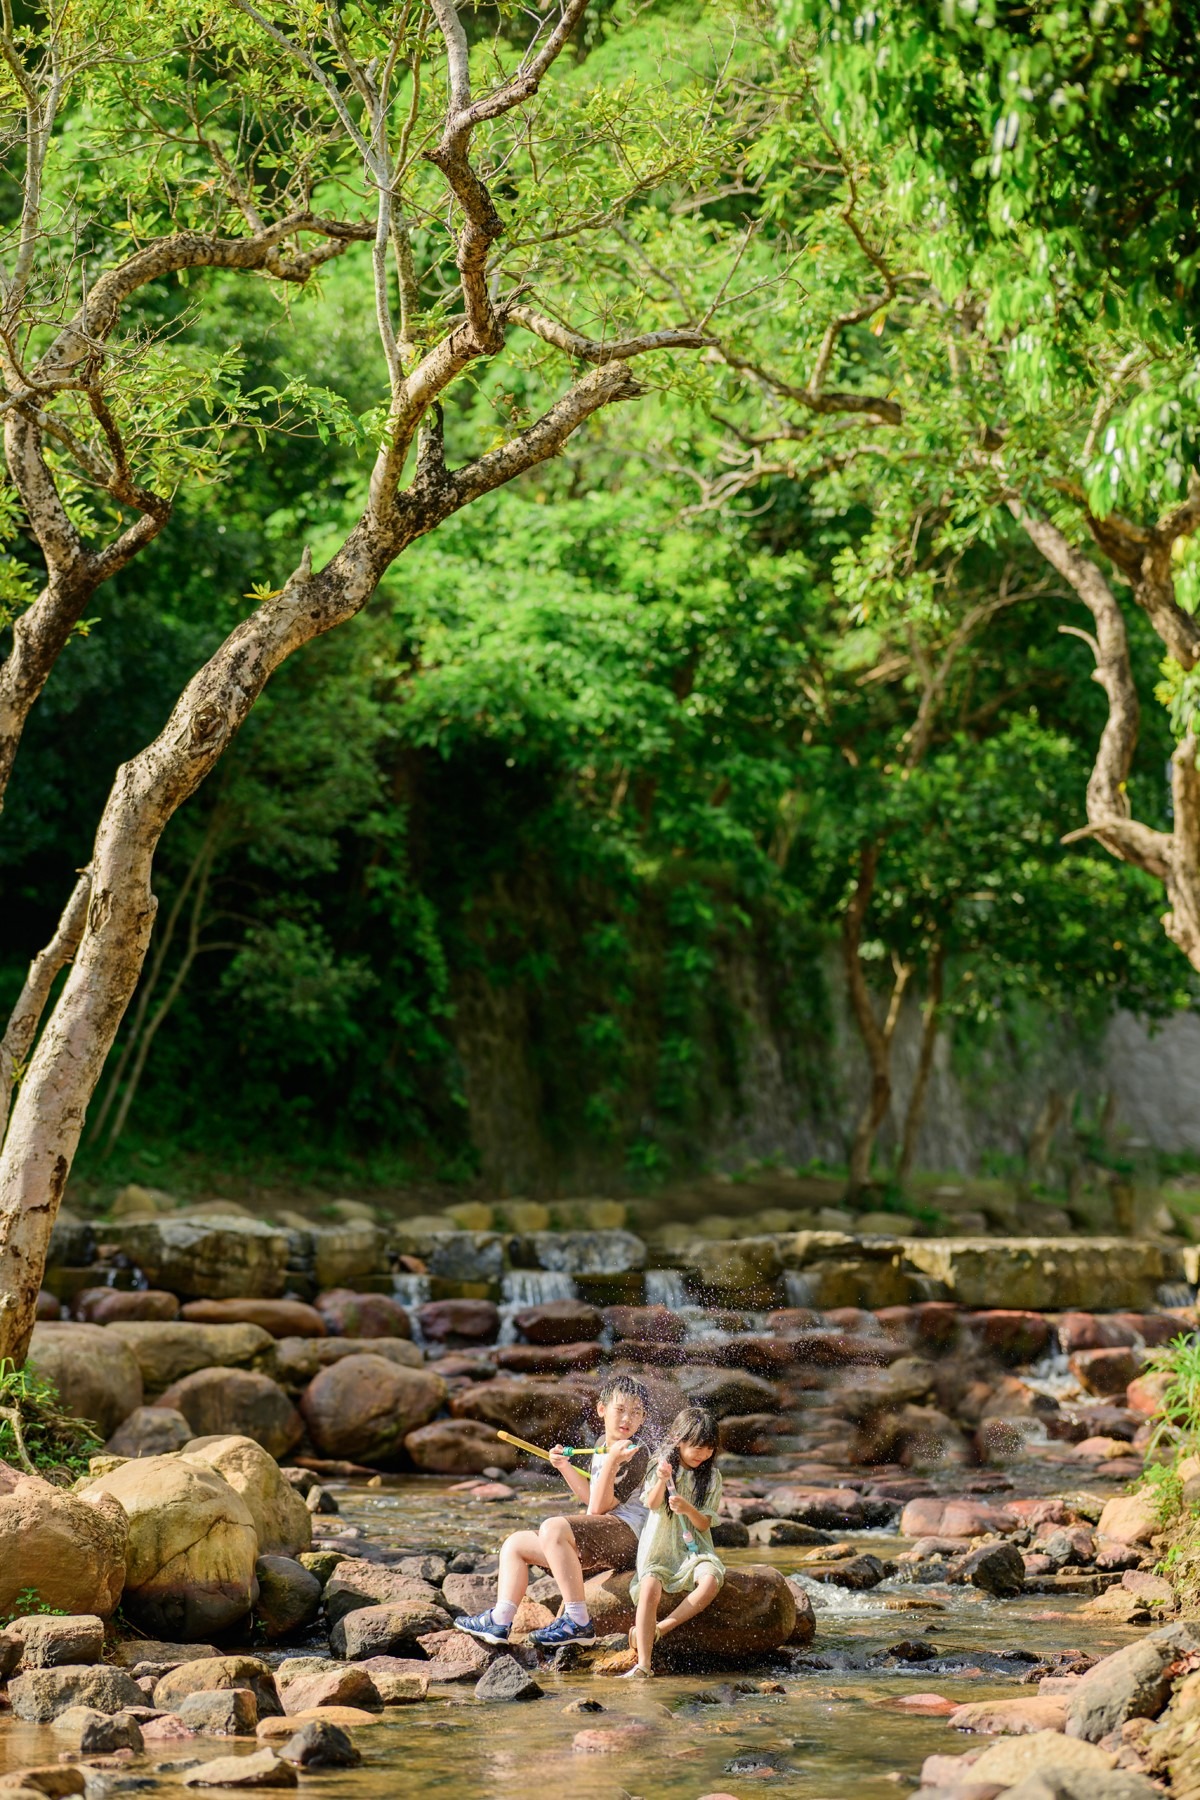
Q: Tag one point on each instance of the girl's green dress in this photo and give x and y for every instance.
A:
(670, 1548)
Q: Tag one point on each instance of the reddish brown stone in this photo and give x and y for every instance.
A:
(646, 1324)
(220, 1402)
(104, 1305)
(931, 1323)
(282, 1318)
(1106, 1371)
(460, 1322)
(1145, 1395)
(560, 1322)
(840, 1350)
(364, 1407)
(954, 1519)
(1156, 1329)
(743, 1434)
(854, 1319)
(547, 1359)
(1010, 1335)
(788, 1320)
(543, 1412)
(459, 1447)
(1085, 1331)
(347, 1314)
(48, 1306)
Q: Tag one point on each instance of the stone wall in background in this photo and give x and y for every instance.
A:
(782, 1092)
(1155, 1074)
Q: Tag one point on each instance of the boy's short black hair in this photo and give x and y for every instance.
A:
(619, 1383)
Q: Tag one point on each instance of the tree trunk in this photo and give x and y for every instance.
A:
(1173, 857)
(1045, 1127)
(876, 1038)
(48, 1117)
(930, 1026)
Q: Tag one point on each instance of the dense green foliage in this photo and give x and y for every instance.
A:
(586, 787)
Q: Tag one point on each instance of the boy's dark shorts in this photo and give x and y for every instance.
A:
(603, 1542)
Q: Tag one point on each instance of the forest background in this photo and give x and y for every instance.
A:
(758, 716)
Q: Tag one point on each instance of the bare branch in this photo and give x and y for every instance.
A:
(482, 224)
(594, 350)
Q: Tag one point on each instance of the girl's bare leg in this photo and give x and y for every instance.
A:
(518, 1554)
(649, 1594)
(703, 1594)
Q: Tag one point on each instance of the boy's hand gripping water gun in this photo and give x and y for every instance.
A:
(544, 1454)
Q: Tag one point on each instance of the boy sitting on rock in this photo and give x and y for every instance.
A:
(604, 1537)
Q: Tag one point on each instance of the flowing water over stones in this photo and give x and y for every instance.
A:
(934, 1488)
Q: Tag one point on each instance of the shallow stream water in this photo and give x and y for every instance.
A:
(833, 1731)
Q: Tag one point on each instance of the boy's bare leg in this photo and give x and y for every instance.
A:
(703, 1594)
(556, 1549)
(649, 1594)
(518, 1554)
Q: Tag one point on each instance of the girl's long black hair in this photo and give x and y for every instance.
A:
(695, 1425)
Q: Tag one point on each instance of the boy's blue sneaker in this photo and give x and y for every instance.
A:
(483, 1626)
(563, 1631)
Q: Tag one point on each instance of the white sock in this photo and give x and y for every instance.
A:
(576, 1611)
(504, 1612)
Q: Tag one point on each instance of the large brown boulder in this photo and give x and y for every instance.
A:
(647, 1324)
(96, 1376)
(364, 1407)
(547, 1359)
(728, 1391)
(755, 1612)
(459, 1447)
(559, 1322)
(282, 1318)
(69, 1549)
(192, 1547)
(347, 1314)
(221, 1402)
(282, 1522)
(103, 1305)
(460, 1322)
(166, 1352)
(300, 1359)
(544, 1412)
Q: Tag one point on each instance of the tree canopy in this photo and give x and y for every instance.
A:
(591, 738)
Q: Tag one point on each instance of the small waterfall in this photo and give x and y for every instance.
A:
(1051, 1375)
(412, 1290)
(664, 1287)
(534, 1287)
(798, 1288)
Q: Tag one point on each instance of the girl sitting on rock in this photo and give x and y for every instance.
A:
(675, 1550)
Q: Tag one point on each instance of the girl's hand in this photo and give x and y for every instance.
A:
(665, 1469)
(676, 1504)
